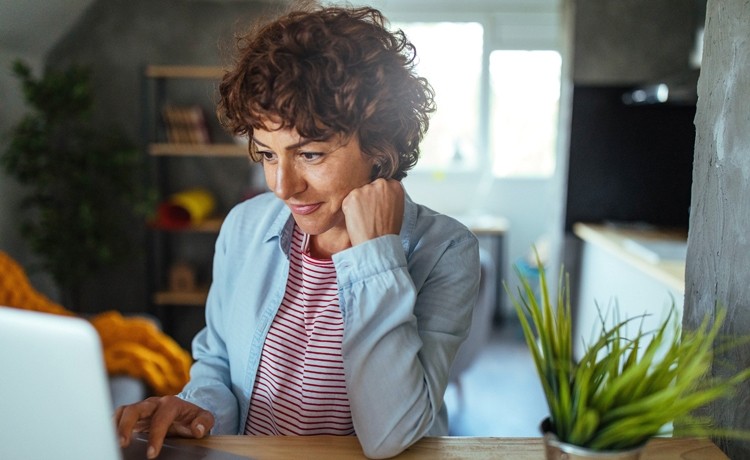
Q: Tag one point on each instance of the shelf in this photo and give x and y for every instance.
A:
(164, 86)
(184, 71)
(188, 299)
(207, 150)
(210, 225)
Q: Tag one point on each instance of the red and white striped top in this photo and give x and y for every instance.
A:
(300, 387)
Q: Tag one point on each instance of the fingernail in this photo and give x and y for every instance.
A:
(201, 429)
(122, 441)
(151, 452)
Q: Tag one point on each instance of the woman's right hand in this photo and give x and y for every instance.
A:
(160, 416)
(374, 210)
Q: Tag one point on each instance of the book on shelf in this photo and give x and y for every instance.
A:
(186, 124)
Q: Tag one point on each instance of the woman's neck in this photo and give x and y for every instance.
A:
(329, 243)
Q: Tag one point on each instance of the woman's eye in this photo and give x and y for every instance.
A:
(267, 156)
(311, 155)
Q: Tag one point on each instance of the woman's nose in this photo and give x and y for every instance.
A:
(288, 181)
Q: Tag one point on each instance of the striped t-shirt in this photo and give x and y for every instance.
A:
(300, 387)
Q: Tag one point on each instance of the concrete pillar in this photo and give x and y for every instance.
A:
(718, 261)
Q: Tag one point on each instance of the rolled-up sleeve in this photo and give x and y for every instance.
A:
(405, 316)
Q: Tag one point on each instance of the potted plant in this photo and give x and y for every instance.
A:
(623, 390)
(83, 181)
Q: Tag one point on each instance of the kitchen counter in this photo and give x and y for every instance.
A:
(637, 269)
(658, 252)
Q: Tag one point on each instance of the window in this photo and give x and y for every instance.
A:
(497, 86)
(449, 55)
(525, 98)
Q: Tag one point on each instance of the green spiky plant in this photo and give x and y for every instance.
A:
(623, 391)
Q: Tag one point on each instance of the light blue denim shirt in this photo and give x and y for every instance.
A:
(406, 301)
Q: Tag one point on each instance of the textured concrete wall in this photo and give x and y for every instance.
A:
(718, 263)
(632, 41)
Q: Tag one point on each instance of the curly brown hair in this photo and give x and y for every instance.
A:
(327, 71)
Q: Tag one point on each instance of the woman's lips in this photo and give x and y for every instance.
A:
(304, 209)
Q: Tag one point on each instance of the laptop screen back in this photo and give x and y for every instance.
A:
(54, 396)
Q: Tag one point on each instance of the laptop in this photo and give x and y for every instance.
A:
(54, 394)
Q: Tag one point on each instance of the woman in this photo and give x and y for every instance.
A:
(337, 304)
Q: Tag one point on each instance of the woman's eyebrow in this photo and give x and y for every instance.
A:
(294, 146)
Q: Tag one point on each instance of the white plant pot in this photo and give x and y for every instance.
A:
(554, 449)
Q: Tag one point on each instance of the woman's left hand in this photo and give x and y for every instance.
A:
(374, 210)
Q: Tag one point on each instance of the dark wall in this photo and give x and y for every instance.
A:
(628, 163)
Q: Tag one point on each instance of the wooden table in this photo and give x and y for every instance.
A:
(347, 448)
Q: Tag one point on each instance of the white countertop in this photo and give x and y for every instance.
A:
(658, 252)
(484, 224)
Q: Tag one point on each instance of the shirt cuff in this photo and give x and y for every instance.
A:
(367, 259)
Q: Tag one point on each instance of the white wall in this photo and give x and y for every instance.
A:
(530, 205)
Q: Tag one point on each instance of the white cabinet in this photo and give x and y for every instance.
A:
(613, 269)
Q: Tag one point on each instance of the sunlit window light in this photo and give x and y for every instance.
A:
(525, 87)
(524, 97)
(449, 55)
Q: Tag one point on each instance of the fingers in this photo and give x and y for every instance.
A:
(170, 415)
(159, 417)
(374, 210)
(161, 420)
(127, 418)
(202, 424)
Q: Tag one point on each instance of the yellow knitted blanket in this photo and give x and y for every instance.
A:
(132, 346)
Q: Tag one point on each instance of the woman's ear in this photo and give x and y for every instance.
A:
(375, 174)
(376, 171)
(384, 164)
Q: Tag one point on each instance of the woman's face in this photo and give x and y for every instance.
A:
(313, 177)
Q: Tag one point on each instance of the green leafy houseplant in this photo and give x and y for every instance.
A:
(623, 391)
(83, 183)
